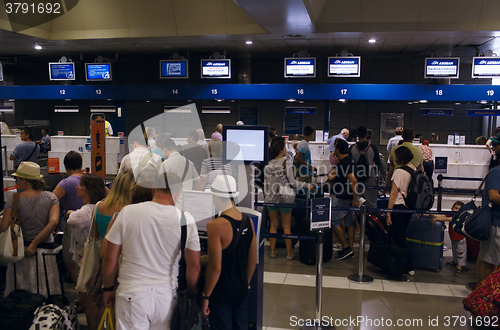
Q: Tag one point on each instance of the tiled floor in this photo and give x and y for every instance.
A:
(429, 300)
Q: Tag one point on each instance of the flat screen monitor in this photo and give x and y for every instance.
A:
(216, 69)
(245, 143)
(173, 69)
(98, 71)
(62, 71)
(1, 72)
(300, 67)
(442, 67)
(485, 67)
(349, 66)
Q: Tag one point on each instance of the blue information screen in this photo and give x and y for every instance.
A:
(62, 71)
(173, 69)
(300, 67)
(218, 69)
(485, 67)
(344, 66)
(98, 71)
(447, 67)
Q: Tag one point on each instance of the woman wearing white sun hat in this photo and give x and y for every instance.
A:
(39, 216)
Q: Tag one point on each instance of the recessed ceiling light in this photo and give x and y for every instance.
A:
(372, 41)
(291, 100)
(410, 102)
(483, 102)
(457, 103)
(342, 100)
(38, 47)
(249, 42)
(423, 101)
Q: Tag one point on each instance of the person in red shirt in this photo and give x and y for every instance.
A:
(458, 242)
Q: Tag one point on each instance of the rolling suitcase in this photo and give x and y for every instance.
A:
(484, 301)
(425, 243)
(307, 249)
(18, 308)
(376, 226)
(382, 202)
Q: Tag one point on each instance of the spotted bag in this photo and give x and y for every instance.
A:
(52, 317)
(484, 301)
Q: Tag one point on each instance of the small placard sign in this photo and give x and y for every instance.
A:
(441, 165)
(320, 213)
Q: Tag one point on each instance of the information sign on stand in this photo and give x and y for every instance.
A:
(441, 165)
(98, 151)
(320, 213)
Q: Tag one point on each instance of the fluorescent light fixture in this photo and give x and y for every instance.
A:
(342, 100)
(38, 47)
(483, 102)
(64, 108)
(410, 102)
(291, 100)
(372, 41)
(423, 101)
(215, 109)
(175, 109)
(249, 42)
(102, 108)
(7, 109)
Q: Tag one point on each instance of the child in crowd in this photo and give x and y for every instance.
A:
(458, 243)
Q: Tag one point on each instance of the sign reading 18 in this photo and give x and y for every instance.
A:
(439, 92)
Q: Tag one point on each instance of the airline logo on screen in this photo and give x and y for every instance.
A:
(295, 62)
(442, 63)
(484, 62)
(216, 64)
(345, 62)
(26, 14)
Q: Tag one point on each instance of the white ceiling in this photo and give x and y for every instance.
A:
(402, 28)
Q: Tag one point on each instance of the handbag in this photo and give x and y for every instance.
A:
(286, 193)
(107, 320)
(185, 312)
(471, 221)
(11, 240)
(94, 285)
(91, 259)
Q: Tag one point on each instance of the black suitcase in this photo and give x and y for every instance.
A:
(18, 308)
(376, 226)
(425, 243)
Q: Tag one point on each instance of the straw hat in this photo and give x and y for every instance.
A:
(224, 186)
(28, 170)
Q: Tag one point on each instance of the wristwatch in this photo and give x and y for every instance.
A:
(109, 288)
(204, 296)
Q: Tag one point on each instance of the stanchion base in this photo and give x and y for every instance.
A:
(328, 327)
(360, 278)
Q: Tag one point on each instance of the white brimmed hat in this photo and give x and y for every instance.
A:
(28, 170)
(224, 186)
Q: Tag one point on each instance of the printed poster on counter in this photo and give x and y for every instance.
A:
(98, 145)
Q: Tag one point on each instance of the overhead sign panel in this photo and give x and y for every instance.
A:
(98, 71)
(216, 69)
(442, 67)
(173, 69)
(485, 67)
(436, 112)
(344, 66)
(301, 110)
(300, 67)
(62, 71)
(483, 112)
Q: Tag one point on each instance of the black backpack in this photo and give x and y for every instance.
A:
(420, 194)
(363, 170)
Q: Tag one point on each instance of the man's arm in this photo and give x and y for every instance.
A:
(12, 157)
(192, 268)
(109, 269)
(299, 158)
(214, 263)
(389, 175)
(252, 256)
(354, 188)
(494, 196)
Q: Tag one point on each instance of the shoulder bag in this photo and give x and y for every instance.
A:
(185, 312)
(471, 221)
(11, 240)
(91, 259)
(286, 193)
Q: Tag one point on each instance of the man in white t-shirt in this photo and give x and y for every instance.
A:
(146, 239)
(144, 164)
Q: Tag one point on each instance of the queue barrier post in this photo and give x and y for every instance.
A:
(360, 277)
(440, 192)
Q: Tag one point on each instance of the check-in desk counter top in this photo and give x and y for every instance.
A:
(10, 141)
(60, 145)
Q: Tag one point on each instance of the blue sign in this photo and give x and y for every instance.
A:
(249, 115)
(218, 69)
(320, 213)
(300, 67)
(485, 67)
(174, 69)
(98, 71)
(302, 110)
(445, 67)
(483, 112)
(293, 124)
(436, 112)
(62, 71)
(344, 66)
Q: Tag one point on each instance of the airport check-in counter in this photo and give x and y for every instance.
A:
(60, 145)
